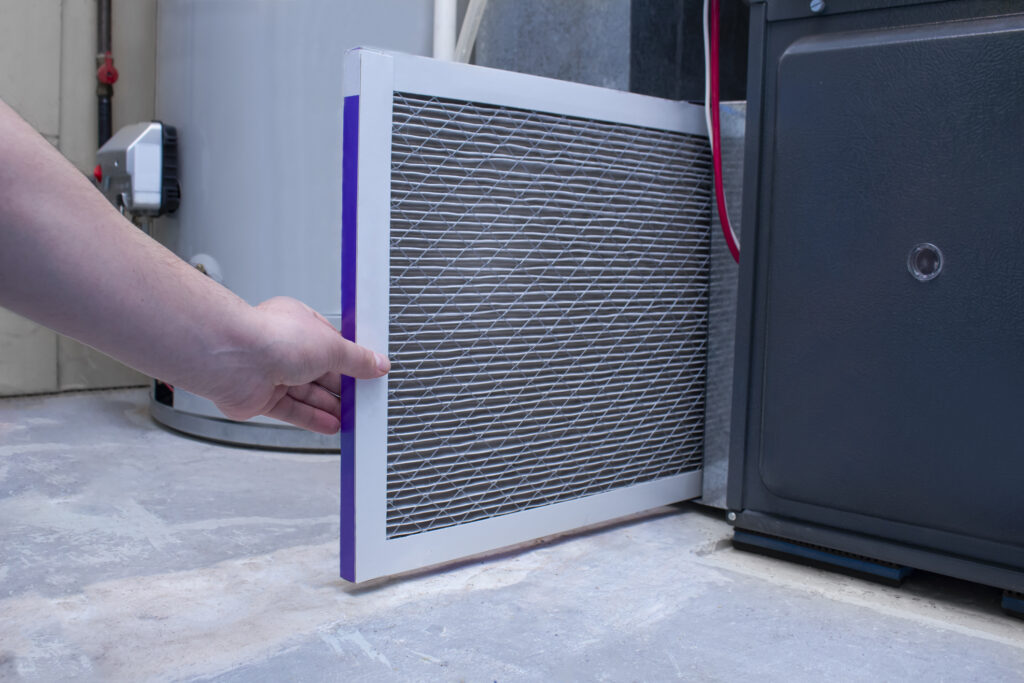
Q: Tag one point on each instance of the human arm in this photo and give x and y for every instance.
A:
(70, 261)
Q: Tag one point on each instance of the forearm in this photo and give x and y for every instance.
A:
(69, 260)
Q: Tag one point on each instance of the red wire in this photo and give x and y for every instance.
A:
(716, 133)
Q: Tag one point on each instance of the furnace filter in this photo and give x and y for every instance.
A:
(534, 258)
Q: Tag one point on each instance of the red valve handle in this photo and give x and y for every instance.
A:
(107, 73)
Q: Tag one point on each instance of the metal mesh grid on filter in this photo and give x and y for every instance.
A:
(548, 309)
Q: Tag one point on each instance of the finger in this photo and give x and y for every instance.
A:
(331, 382)
(305, 416)
(357, 361)
(316, 396)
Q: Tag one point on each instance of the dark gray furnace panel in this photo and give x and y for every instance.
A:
(880, 356)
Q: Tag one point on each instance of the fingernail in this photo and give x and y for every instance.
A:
(383, 364)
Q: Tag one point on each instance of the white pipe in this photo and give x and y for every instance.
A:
(444, 29)
(470, 26)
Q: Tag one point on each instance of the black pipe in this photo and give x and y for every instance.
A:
(104, 91)
(104, 117)
(103, 28)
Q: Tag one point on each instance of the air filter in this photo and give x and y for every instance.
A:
(533, 256)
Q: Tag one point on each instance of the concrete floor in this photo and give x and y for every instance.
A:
(131, 553)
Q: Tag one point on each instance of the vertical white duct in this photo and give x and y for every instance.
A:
(444, 29)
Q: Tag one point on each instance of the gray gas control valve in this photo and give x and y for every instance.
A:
(138, 169)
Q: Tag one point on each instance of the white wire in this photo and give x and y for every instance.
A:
(707, 106)
(469, 30)
(707, 74)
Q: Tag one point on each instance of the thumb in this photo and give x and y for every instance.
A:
(356, 361)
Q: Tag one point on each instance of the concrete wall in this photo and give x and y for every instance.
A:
(652, 47)
(48, 49)
(586, 41)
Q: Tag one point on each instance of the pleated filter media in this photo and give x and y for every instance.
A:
(538, 276)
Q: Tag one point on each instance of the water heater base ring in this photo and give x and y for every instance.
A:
(244, 433)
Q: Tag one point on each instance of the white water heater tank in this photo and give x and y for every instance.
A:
(254, 88)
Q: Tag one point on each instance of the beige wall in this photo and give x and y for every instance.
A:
(48, 53)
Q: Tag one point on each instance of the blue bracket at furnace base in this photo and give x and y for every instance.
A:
(1013, 604)
(822, 557)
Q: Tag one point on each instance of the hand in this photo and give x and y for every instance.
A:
(294, 375)
(153, 311)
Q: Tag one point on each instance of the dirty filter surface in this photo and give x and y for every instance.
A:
(548, 309)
